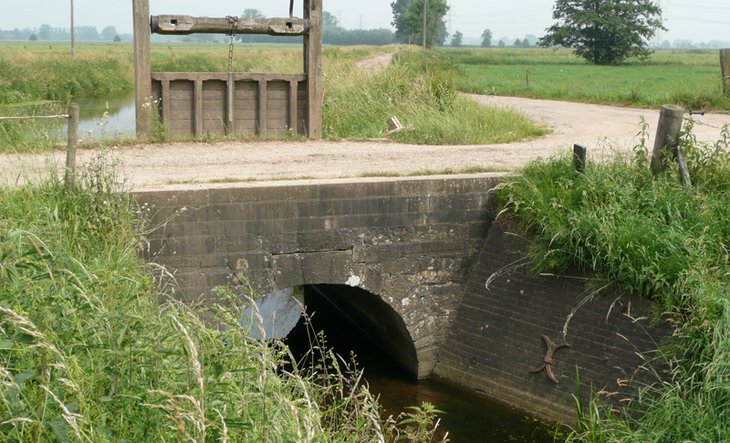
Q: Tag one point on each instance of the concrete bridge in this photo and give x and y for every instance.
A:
(420, 251)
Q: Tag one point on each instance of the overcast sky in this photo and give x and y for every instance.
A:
(697, 20)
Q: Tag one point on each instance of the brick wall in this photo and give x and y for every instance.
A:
(408, 241)
(496, 338)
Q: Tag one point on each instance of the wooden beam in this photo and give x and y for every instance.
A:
(293, 102)
(198, 99)
(230, 104)
(185, 24)
(142, 68)
(263, 116)
(313, 67)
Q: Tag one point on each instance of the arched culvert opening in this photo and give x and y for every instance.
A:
(356, 321)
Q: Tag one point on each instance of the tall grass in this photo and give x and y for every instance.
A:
(688, 78)
(93, 350)
(659, 239)
(420, 90)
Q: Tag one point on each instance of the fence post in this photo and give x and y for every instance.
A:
(73, 141)
(725, 65)
(667, 135)
(579, 158)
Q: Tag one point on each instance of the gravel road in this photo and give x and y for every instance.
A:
(186, 165)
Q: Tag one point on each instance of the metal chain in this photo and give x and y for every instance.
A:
(233, 28)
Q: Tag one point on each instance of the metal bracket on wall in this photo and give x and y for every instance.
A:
(547, 362)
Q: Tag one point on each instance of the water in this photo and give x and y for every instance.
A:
(469, 418)
(107, 118)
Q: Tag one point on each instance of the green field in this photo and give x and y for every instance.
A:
(421, 92)
(688, 78)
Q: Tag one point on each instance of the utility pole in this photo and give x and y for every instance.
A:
(73, 39)
(425, 23)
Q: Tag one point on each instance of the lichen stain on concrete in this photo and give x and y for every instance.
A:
(353, 281)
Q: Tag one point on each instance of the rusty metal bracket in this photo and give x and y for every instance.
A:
(547, 362)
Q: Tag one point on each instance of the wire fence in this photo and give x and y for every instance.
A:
(73, 139)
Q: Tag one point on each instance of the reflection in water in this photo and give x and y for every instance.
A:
(469, 418)
(106, 118)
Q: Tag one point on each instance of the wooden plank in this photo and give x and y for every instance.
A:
(293, 102)
(198, 108)
(186, 24)
(222, 76)
(142, 68)
(262, 117)
(165, 100)
(230, 105)
(313, 67)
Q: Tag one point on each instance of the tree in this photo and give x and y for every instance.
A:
(517, 43)
(400, 7)
(109, 33)
(33, 38)
(408, 21)
(457, 39)
(605, 32)
(251, 13)
(501, 44)
(487, 38)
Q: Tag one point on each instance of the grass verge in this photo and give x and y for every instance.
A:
(420, 90)
(92, 350)
(659, 239)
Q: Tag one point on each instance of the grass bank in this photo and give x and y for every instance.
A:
(420, 90)
(690, 78)
(93, 350)
(659, 239)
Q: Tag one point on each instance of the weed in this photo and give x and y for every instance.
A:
(659, 239)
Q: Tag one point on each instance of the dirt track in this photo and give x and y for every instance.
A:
(166, 166)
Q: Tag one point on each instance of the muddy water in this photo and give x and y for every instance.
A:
(107, 118)
(468, 418)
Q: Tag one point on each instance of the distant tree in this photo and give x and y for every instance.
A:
(402, 33)
(457, 39)
(605, 32)
(487, 38)
(526, 43)
(33, 37)
(45, 32)
(408, 21)
(252, 13)
(117, 39)
(501, 44)
(329, 21)
(665, 45)
(517, 43)
(109, 33)
(532, 39)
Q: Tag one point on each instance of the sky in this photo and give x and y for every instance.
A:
(697, 20)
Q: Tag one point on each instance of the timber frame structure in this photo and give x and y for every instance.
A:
(196, 104)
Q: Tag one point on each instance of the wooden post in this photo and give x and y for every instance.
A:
(142, 68)
(73, 33)
(73, 141)
(667, 134)
(579, 158)
(725, 65)
(683, 169)
(313, 67)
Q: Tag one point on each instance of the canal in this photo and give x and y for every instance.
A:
(468, 418)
